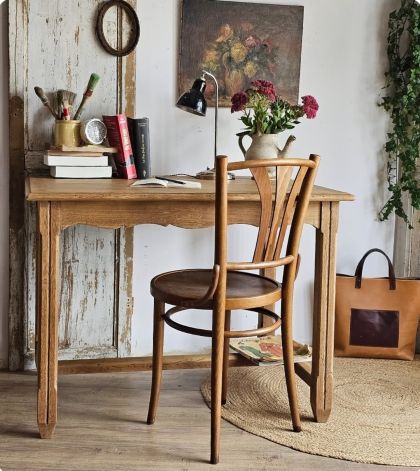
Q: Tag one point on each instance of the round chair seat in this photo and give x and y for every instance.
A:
(243, 290)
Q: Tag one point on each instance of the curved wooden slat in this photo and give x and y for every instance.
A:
(263, 182)
(260, 265)
(248, 164)
(289, 210)
(283, 175)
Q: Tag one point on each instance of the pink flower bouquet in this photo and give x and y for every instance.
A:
(267, 113)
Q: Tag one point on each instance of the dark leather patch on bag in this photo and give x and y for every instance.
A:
(374, 328)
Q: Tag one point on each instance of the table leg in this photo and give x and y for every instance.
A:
(324, 307)
(47, 303)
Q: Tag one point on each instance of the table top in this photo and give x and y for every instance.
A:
(242, 188)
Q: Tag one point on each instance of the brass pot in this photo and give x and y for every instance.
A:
(67, 133)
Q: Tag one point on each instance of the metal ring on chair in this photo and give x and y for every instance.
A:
(135, 25)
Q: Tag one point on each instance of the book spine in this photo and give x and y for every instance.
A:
(139, 133)
(118, 136)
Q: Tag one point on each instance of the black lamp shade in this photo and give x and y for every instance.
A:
(194, 101)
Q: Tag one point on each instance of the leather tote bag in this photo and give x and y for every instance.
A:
(376, 317)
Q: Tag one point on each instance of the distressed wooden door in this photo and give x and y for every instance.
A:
(52, 44)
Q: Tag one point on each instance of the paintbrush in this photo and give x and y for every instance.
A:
(61, 96)
(44, 99)
(66, 111)
(93, 81)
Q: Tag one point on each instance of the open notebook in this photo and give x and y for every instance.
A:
(167, 183)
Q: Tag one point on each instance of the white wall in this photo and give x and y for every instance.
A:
(4, 186)
(343, 62)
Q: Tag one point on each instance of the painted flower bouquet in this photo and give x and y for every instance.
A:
(238, 54)
(267, 113)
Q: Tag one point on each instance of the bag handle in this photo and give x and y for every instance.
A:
(359, 270)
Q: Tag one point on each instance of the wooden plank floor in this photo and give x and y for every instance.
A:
(102, 427)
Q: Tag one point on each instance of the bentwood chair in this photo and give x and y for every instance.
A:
(229, 287)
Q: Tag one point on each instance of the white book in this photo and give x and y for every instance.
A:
(170, 183)
(81, 172)
(71, 161)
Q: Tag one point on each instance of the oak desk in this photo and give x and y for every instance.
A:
(113, 204)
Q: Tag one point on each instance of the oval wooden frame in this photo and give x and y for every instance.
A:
(134, 22)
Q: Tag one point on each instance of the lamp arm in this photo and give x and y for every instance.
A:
(216, 112)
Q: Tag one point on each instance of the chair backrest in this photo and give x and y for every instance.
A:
(283, 202)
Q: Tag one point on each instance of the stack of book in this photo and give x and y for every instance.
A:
(79, 162)
(130, 136)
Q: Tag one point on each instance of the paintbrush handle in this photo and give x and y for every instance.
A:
(44, 99)
(81, 106)
(51, 110)
(93, 81)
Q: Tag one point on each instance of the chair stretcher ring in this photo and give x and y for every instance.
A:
(229, 334)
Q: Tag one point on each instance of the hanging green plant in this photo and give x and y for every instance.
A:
(403, 105)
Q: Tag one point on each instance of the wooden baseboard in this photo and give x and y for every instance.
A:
(115, 365)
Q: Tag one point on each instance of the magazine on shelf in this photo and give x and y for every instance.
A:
(268, 350)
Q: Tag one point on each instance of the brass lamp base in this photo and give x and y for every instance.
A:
(210, 174)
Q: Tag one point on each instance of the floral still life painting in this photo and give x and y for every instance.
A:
(238, 42)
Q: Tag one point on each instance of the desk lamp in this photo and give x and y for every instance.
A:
(194, 102)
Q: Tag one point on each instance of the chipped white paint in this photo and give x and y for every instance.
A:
(29, 291)
(96, 305)
(87, 318)
(63, 53)
(18, 51)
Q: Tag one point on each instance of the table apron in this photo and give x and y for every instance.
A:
(184, 214)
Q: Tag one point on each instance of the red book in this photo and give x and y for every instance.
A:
(119, 137)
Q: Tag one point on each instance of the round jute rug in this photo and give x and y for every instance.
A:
(375, 416)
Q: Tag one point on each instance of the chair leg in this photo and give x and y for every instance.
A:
(225, 358)
(216, 386)
(287, 341)
(158, 330)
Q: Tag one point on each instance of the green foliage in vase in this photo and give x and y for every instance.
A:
(403, 105)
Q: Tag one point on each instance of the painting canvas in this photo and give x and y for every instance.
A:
(239, 42)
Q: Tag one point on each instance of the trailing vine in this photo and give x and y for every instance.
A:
(403, 105)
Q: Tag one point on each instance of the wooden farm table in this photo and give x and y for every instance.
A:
(113, 204)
